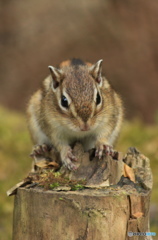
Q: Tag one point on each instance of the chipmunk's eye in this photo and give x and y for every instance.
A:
(98, 99)
(64, 101)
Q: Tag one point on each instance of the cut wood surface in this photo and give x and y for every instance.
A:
(114, 199)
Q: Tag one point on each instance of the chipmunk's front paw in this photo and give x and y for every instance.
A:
(40, 150)
(67, 158)
(103, 148)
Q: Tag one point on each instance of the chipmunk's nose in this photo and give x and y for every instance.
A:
(84, 127)
(84, 113)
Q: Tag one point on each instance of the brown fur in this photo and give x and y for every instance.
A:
(93, 125)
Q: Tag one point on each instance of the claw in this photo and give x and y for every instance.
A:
(40, 150)
(96, 153)
(103, 148)
(108, 149)
(72, 157)
(68, 158)
(100, 153)
(72, 166)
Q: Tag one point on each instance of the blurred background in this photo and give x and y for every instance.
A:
(35, 34)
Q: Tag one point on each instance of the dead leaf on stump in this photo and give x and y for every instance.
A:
(128, 172)
(44, 164)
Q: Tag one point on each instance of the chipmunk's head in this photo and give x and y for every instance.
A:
(77, 88)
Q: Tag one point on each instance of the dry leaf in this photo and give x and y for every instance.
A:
(47, 164)
(53, 164)
(13, 190)
(128, 172)
(42, 164)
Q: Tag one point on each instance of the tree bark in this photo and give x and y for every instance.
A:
(94, 213)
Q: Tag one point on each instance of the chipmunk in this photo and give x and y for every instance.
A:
(76, 103)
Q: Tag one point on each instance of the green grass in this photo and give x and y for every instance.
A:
(15, 163)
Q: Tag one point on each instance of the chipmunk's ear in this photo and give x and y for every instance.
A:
(96, 70)
(57, 76)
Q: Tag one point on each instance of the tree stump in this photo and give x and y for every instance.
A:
(113, 204)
